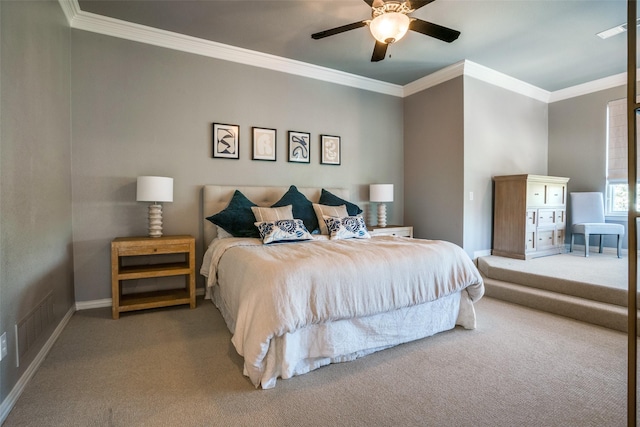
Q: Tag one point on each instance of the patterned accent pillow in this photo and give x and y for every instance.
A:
(283, 230)
(322, 210)
(302, 207)
(347, 227)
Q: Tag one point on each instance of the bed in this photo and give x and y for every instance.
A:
(296, 306)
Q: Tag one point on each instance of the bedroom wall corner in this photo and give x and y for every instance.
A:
(578, 143)
(504, 133)
(35, 180)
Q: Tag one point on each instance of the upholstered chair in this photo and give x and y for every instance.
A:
(587, 218)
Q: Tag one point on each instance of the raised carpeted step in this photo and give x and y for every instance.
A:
(603, 314)
(564, 274)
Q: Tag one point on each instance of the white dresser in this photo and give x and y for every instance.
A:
(529, 215)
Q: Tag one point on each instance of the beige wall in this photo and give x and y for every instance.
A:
(35, 173)
(145, 110)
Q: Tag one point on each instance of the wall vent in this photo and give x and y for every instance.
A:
(33, 326)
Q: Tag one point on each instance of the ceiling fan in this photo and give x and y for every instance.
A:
(390, 22)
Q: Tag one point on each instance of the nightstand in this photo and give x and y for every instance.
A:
(151, 263)
(392, 230)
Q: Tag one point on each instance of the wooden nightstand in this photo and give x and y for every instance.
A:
(125, 248)
(392, 230)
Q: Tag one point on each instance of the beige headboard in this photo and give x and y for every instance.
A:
(216, 197)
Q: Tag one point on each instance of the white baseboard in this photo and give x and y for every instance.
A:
(97, 303)
(106, 302)
(478, 254)
(8, 403)
(596, 249)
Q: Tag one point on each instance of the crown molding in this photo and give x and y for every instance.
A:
(434, 79)
(170, 40)
(70, 8)
(590, 87)
(143, 34)
(480, 72)
(504, 81)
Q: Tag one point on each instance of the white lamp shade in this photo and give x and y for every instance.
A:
(389, 27)
(381, 193)
(154, 189)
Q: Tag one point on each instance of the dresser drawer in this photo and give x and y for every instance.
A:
(546, 217)
(535, 194)
(546, 239)
(555, 195)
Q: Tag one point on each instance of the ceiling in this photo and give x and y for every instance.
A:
(551, 44)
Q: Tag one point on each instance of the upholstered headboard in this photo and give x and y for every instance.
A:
(216, 197)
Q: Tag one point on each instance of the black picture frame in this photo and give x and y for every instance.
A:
(330, 150)
(299, 147)
(226, 141)
(264, 144)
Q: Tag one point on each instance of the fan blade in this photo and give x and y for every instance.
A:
(417, 4)
(338, 30)
(434, 30)
(379, 51)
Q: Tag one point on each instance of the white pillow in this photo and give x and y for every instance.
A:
(272, 214)
(283, 230)
(326, 210)
(347, 227)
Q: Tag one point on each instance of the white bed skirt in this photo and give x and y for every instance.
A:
(317, 345)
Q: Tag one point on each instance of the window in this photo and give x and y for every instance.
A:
(617, 191)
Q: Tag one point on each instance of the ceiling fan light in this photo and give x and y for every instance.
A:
(389, 27)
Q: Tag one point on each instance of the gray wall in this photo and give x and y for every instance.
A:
(35, 167)
(145, 110)
(433, 161)
(577, 145)
(458, 135)
(505, 133)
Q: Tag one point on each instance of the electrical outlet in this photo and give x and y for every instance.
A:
(3, 346)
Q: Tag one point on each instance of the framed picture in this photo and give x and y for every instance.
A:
(299, 144)
(226, 141)
(264, 144)
(329, 150)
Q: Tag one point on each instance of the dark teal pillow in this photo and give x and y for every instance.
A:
(330, 199)
(301, 206)
(237, 218)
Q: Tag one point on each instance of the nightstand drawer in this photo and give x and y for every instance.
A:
(153, 249)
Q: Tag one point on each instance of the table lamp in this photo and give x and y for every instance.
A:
(381, 194)
(154, 189)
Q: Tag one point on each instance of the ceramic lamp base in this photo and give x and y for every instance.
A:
(155, 220)
(382, 215)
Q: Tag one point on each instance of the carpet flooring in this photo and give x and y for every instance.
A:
(177, 367)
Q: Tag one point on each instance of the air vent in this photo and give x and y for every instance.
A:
(33, 326)
(619, 29)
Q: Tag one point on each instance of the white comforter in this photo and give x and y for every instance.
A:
(270, 290)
